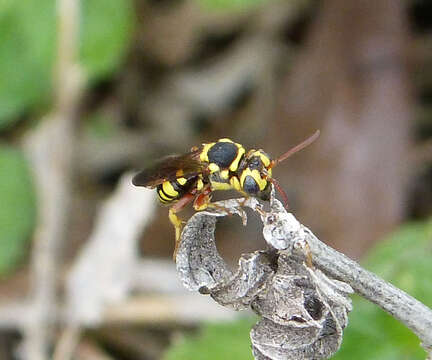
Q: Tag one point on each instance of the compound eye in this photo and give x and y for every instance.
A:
(250, 186)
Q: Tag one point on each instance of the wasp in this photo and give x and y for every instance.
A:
(220, 165)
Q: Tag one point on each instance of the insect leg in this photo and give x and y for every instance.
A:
(176, 221)
(203, 199)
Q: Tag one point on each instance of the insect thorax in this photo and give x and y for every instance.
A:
(230, 167)
(222, 155)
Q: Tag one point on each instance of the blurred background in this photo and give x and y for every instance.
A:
(93, 90)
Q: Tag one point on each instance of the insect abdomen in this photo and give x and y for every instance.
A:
(171, 191)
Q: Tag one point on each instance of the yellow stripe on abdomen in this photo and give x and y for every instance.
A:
(162, 197)
(167, 193)
(169, 190)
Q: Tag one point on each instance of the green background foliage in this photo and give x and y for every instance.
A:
(229, 4)
(17, 210)
(28, 48)
(216, 341)
(26, 55)
(27, 59)
(107, 27)
(404, 259)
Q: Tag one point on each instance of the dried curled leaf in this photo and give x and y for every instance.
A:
(303, 311)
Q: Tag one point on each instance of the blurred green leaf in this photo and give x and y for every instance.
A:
(229, 4)
(106, 27)
(28, 42)
(216, 341)
(17, 207)
(26, 56)
(405, 260)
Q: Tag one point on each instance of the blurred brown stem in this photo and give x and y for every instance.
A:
(50, 148)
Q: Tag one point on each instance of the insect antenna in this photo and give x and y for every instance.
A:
(295, 149)
(286, 155)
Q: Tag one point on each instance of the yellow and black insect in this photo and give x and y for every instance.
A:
(220, 165)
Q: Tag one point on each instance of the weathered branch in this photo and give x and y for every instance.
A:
(402, 306)
(286, 272)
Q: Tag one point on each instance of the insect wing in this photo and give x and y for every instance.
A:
(169, 168)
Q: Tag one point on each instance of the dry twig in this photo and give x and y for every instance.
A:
(292, 297)
(104, 271)
(50, 150)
